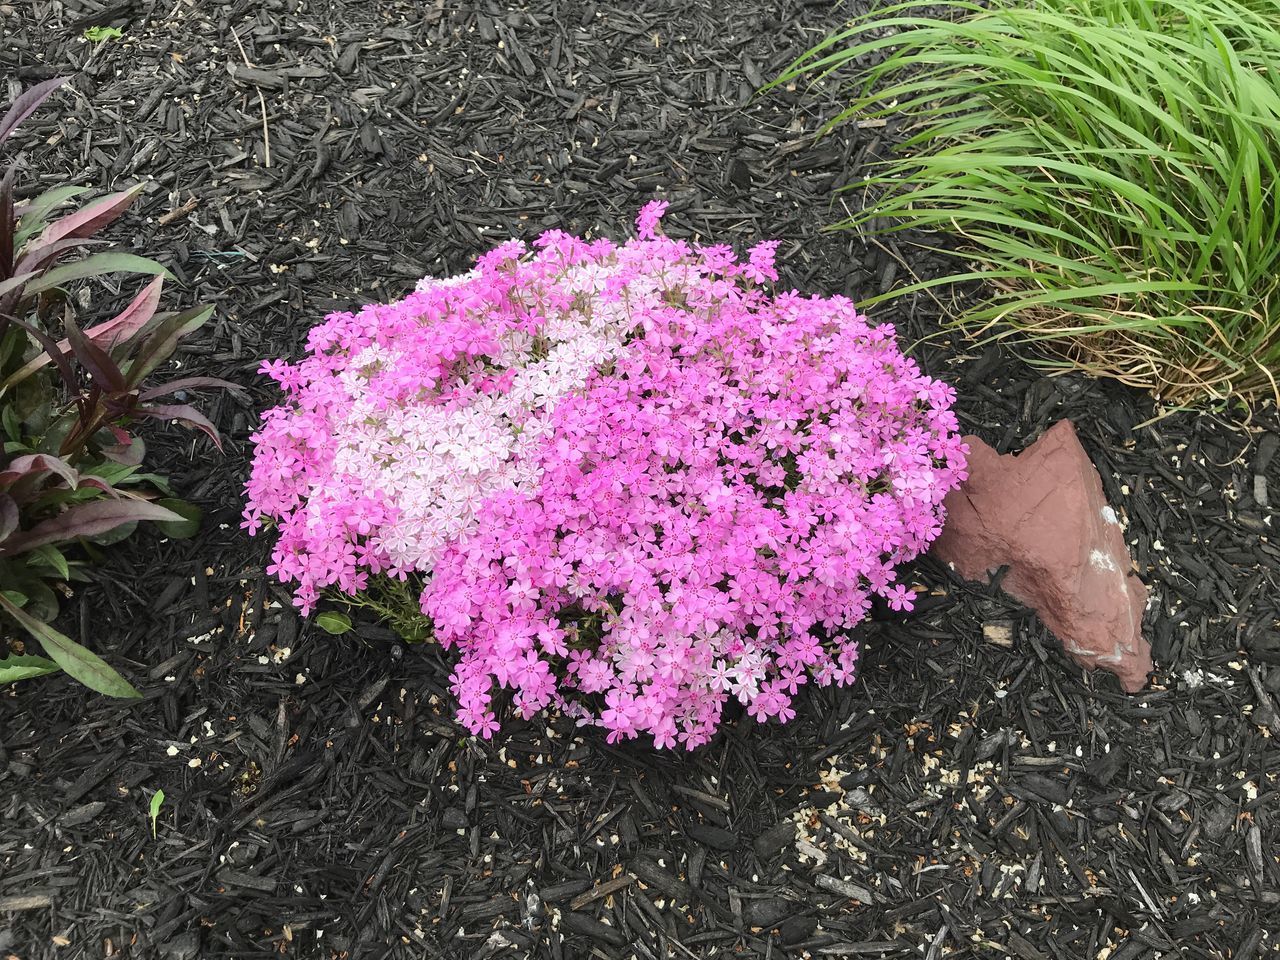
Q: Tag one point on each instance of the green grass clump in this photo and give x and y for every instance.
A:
(1109, 166)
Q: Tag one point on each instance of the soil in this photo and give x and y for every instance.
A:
(967, 797)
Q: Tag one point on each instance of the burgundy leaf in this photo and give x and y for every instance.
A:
(94, 358)
(38, 463)
(100, 484)
(86, 520)
(37, 255)
(8, 226)
(8, 516)
(129, 320)
(189, 383)
(89, 220)
(52, 350)
(164, 340)
(27, 104)
(185, 414)
(13, 283)
(106, 334)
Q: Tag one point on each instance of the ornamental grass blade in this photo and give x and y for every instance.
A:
(87, 520)
(78, 662)
(28, 103)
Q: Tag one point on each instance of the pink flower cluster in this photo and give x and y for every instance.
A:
(637, 484)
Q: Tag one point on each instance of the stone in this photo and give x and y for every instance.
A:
(1042, 514)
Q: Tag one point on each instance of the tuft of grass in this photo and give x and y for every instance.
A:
(1108, 166)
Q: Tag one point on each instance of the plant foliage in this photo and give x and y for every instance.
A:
(71, 472)
(1110, 167)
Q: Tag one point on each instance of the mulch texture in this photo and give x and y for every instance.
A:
(965, 798)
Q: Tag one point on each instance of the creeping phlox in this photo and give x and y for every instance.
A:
(634, 483)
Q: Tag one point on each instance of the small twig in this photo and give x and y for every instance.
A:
(262, 102)
(178, 212)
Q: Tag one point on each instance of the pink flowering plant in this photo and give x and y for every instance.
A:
(623, 480)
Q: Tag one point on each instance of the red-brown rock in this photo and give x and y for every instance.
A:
(1042, 514)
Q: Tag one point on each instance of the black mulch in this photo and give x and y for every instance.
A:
(964, 799)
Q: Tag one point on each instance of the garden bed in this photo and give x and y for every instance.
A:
(964, 797)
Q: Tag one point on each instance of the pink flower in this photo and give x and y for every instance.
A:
(647, 219)
(900, 597)
(631, 485)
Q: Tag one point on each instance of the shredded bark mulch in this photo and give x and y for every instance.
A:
(973, 795)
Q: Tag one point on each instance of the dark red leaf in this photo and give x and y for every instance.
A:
(91, 219)
(8, 226)
(189, 383)
(86, 520)
(27, 104)
(8, 516)
(56, 353)
(37, 255)
(38, 463)
(106, 334)
(102, 368)
(185, 414)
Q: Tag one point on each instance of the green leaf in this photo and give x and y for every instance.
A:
(15, 597)
(50, 556)
(95, 266)
(153, 808)
(23, 667)
(100, 34)
(12, 423)
(34, 213)
(114, 473)
(80, 663)
(182, 529)
(112, 537)
(42, 602)
(154, 479)
(332, 622)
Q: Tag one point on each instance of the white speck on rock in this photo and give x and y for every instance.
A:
(1101, 560)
